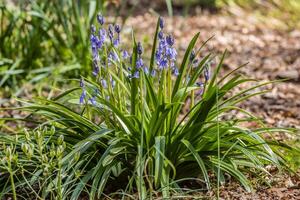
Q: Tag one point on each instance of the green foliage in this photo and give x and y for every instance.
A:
(136, 136)
(40, 38)
(32, 160)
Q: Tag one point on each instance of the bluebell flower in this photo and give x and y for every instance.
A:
(158, 55)
(110, 32)
(112, 82)
(162, 44)
(153, 72)
(95, 68)
(201, 90)
(171, 53)
(139, 63)
(81, 82)
(206, 73)
(95, 54)
(102, 35)
(170, 40)
(163, 63)
(195, 62)
(146, 70)
(129, 68)
(139, 48)
(82, 97)
(104, 83)
(117, 28)
(112, 56)
(136, 74)
(160, 35)
(94, 40)
(161, 22)
(93, 100)
(100, 18)
(192, 55)
(172, 64)
(200, 84)
(116, 42)
(93, 28)
(125, 54)
(175, 71)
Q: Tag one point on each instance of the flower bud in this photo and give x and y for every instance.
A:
(27, 135)
(24, 148)
(60, 140)
(44, 158)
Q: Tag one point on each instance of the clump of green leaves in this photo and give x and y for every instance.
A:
(129, 128)
(31, 164)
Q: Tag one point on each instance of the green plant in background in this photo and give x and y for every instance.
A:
(127, 129)
(41, 39)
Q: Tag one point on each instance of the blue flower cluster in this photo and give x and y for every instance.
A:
(106, 52)
(165, 54)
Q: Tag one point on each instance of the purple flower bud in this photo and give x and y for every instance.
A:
(82, 97)
(116, 42)
(112, 56)
(206, 73)
(110, 32)
(193, 55)
(81, 82)
(161, 22)
(95, 68)
(92, 100)
(139, 63)
(160, 35)
(171, 53)
(153, 72)
(195, 62)
(146, 70)
(200, 84)
(93, 40)
(102, 35)
(170, 40)
(93, 29)
(129, 68)
(117, 28)
(100, 18)
(112, 82)
(136, 74)
(163, 63)
(139, 48)
(125, 54)
(104, 83)
(175, 71)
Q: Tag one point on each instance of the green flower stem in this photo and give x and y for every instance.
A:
(11, 174)
(192, 98)
(169, 80)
